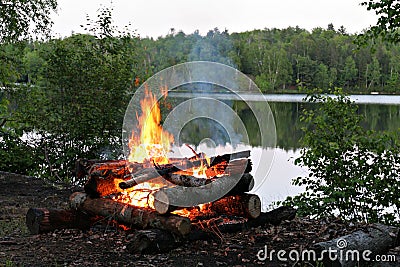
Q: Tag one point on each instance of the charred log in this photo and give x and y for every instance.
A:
(274, 217)
(130, 215)
(107, 177)
(229, 157)
(42, 220)
(166, 198)
(159, 171)
(106, 182)
(246, 205)
(84, 167)
(186, 180)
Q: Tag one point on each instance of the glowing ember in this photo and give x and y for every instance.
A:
(139, 196)
(193, 213)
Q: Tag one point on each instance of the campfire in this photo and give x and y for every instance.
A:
(150, 181)
(150, 190)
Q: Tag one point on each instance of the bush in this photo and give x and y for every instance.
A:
(353, 173)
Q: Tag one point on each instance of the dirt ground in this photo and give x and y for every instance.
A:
(107, 246)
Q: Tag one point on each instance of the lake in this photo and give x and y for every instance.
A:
(274, 166)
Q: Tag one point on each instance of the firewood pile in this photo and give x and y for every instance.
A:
(143, 197)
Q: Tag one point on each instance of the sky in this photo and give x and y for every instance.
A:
(155, 18)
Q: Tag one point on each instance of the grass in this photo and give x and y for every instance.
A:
(12, 221)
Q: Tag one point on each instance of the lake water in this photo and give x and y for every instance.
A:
(274, 167)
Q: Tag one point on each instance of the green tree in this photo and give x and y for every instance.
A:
(18, 18)
(321, 78)
(387, 27)
(353, 173)
(393, 83)
(350, 72)
(305, 69)
(373, 74)
(77, 111)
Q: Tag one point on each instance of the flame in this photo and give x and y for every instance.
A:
(151, 146)
(153, 143)
(202, 210)
(139, 196)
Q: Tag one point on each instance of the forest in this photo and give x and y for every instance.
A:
(278, 60)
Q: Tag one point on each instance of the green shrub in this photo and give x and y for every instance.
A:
(353, 173)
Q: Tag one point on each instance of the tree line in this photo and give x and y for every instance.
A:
(284, 59)
(278, 60)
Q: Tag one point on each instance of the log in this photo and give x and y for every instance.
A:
(274, 217)
(165, 171)
(229, 157)
(106, 182)
(130, 215)
(84, 167)
(186, 180)
(106, 177)
(99, 186)
(153, 241)
(165, 199)
(348, 250)
(160, 170)
(42, 220)
(246, 205)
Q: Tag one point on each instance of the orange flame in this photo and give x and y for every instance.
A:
(150, 145)
(153, 143)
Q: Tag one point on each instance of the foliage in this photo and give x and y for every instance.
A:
(387, 27)
(16, 153)
(77, 105)
(277, 58)
(352, 172)
(19, 17)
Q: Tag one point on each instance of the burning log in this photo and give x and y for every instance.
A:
(164, 198)
(100, 185)
(114, 182)
(130, 215)
(229, 157)
(84, 167)
(41, 220)
(246, 205)
(186, 180)
(233, 167)
(160, 170)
